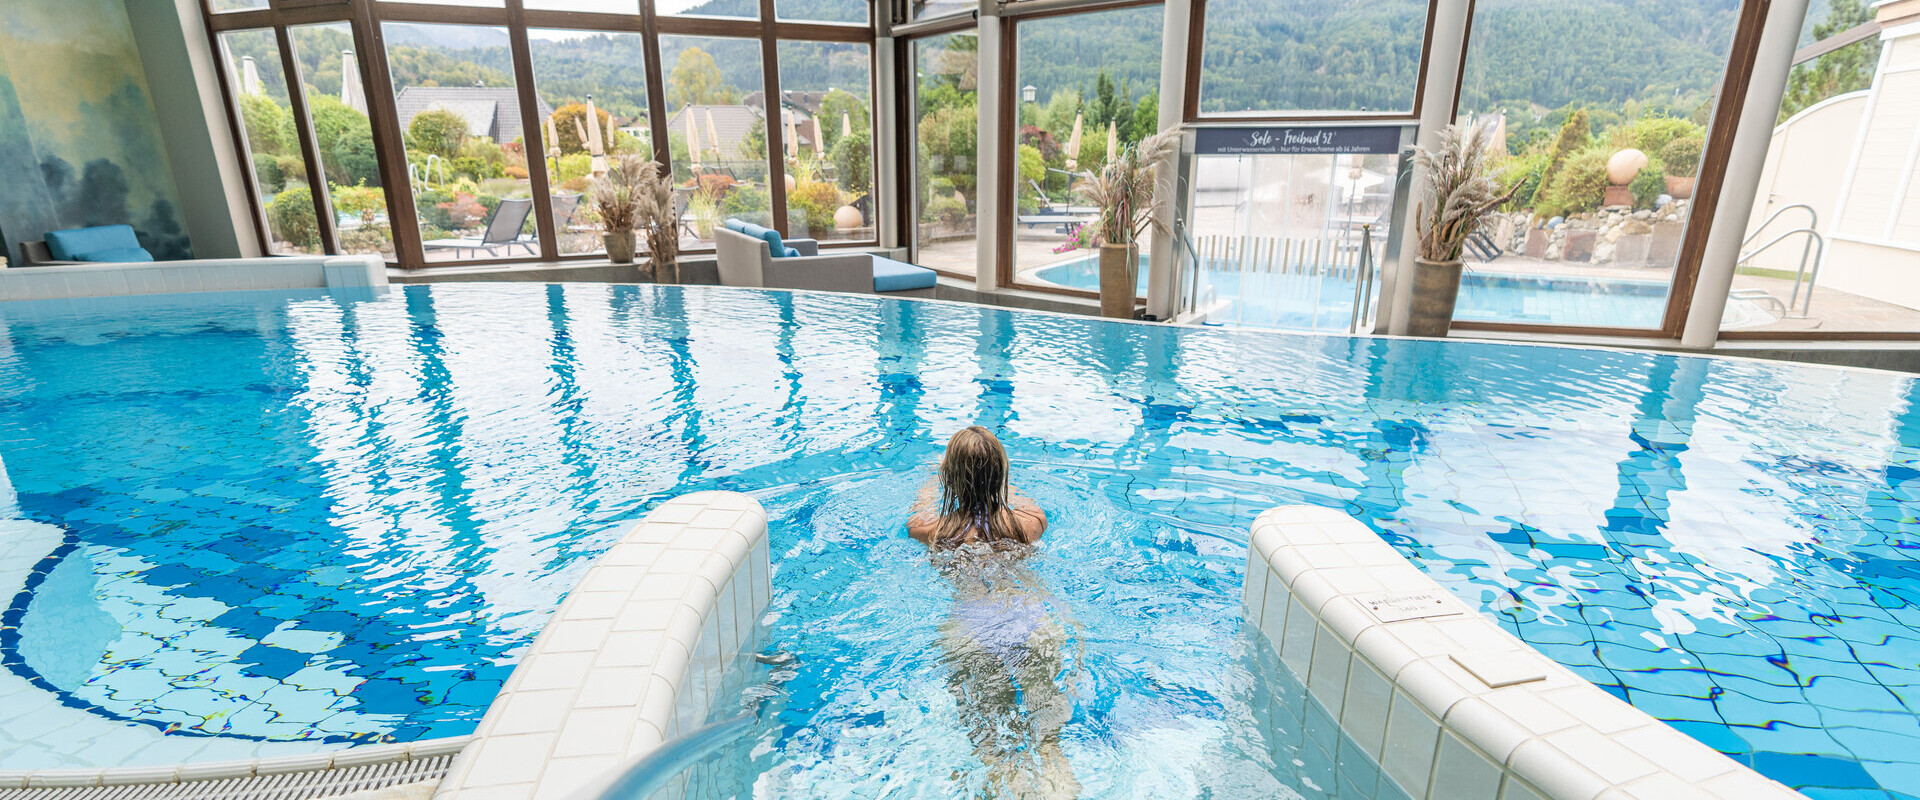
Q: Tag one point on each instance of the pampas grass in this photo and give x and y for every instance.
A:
(1127, 188)
(1459, 190)
(634, 195)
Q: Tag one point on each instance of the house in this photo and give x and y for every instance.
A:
(490, 111)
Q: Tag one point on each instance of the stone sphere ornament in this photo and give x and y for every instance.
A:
(848, 218)
(1624, 165)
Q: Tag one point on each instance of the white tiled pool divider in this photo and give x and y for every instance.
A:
(1450, 705)
(635, 654)
(340, 273)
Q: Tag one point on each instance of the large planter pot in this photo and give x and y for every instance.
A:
(620, 246)
(1117, 265)
(1436, 286)
(1680, 188)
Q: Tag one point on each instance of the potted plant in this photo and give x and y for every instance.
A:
(1682, 160)
(616, 197)
(1125, 193)
(635, 197)
(1459, 191)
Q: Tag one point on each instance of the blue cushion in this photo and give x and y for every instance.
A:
(68, 245)
(791, 253)
(772, 237)
(898, 276)
(115, 255)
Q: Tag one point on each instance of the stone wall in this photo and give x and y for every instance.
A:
(1617, 238)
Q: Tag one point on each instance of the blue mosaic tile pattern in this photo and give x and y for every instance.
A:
(298, 519)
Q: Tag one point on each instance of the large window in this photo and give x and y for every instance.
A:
(1088, 83)
(350, 167)
(467, 121)
(827, 106)
(1290, 57)
(717, 123)
(599, 102)
(946, 128)
(1600, 116)
(1834, 235)
(271, 137)
(459, 110)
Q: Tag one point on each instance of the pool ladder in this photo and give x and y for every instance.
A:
(1810, 251)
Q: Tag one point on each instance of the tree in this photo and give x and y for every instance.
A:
(696, 80)
(437, 131)
(266, 123)
(1575, 135)
(838, 105)
(568, 122)
(853, 161)
(354, 160)
(1848, 69)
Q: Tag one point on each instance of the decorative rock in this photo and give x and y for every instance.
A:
(1631, 250)
(1624, 165)
(1663, 200)
(1579, 246)
(848, 218)
(1536, 246)
(1665, 248)
(1643, 214)
(1556, 222)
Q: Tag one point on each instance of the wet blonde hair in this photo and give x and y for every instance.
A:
(975, 499)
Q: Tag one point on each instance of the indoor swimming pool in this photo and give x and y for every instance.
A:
(251, 523)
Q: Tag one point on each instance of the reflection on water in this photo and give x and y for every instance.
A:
(368, 508)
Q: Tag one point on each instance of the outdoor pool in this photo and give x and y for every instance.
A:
(1325, 303)
(258, 523)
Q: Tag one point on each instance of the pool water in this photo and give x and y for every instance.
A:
(286, 520)
(1325, 303)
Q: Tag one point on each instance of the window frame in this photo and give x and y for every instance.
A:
(365, 18)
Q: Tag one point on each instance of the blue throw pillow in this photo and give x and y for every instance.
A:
(69, 245)
(775, 247)
(116, 255)
(792, 253)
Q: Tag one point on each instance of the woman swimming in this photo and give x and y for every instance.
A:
(1006, 643)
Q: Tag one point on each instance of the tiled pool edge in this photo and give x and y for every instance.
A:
(635, 652)
(1447, 702)
(345, 274)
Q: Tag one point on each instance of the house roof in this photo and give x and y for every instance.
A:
(490, 111)
(730, 124)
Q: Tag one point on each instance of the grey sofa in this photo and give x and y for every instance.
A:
(743, 253)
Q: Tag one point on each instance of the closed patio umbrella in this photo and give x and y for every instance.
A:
(846, 124)
(819, 144)
(249, 77)
(693, 140)
(1073, 145)
(352, 93)
(713, 137)
(595, 144)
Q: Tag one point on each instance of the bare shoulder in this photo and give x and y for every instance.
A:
(1032, 520)
(920, 526)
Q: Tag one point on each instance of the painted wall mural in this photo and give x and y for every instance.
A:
(79, 142)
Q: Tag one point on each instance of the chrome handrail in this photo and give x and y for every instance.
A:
(1813, 221)
(1362, 278)
(1816, 246)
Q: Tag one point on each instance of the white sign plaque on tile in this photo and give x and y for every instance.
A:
(1400, 606)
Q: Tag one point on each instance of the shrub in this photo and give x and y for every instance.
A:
(1574, 137)
(568, 136)
(816, 202)
(1649, 184)
(518, 173)
(1523, 173)
(292, 168)
(266, 125)
(1580, 185)
(437, 131)
(266, 170)
(945, 208)
(574, 166)
(361, 201)
(743, 201)
(291, 217)
(354, 161)
(853, 161)
(1681, 157)
(1651, 134)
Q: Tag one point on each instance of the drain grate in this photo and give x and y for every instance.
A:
(286, 786)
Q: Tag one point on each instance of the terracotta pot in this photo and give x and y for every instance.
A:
(1680, 188)
(1436, 287)
(1119, 264)
(620, 246)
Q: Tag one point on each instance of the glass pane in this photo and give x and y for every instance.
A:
(485, 3)
(817, 11)
(1601, 115)
(460, 113)
(1073, 74)
(1840, 166)
(597, 88)
(337, 101)
(945, 128)
(272, 145)
(827, 103)
(749, 9)
(717, 127)
(602, 6)
(1266, 57)
(928, 9)
(237, 5)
